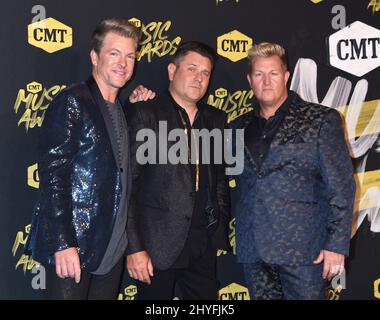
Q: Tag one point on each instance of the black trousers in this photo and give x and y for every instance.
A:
(90, 287)
(197, 281)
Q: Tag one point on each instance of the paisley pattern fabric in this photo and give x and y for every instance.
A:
(301, 199)
(274, 282)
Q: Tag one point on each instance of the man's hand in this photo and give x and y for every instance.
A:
(141, 94)
(67, 264)
(140, 266)
(333, 263)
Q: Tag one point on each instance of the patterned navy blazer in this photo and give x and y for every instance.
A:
(301, 199)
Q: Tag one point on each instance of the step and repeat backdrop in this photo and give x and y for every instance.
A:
(334, 55)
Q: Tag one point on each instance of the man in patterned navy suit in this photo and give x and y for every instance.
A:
(294, 200)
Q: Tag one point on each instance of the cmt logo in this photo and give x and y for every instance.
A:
(221, 93)
(50, 35)
(355, 49)
(234, 45)
(234, 291)
(33, 103)
(234, 104)
(34, 87)
(136, 22)
(376, 288)
(33, 179)
(129, 293)
(316, 1)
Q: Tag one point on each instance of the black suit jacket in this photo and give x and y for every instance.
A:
(162, 199)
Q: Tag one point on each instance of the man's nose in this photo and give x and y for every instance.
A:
(123, 61)
(198, 76)
(266, 79)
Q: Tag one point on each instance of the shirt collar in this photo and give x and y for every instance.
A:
(177, 106)
(283, 109)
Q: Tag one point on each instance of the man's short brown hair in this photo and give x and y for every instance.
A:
(120, 26)
(194, 46)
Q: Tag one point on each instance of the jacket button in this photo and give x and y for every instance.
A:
(260, 176)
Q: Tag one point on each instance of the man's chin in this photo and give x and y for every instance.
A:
(266, 102)
(268, 98)
(119, 84)
(197, 96)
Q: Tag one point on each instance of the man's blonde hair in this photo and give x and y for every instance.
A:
(267, 49)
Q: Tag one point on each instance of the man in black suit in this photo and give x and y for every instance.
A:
(180, 211)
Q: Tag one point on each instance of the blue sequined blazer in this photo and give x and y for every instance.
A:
(80, 185)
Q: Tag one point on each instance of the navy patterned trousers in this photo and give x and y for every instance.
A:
(276, 282)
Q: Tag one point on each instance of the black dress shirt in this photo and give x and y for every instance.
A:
(260, 132)
(196, 242)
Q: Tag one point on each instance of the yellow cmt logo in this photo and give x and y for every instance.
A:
(50, 35)
(234, 291)
(34, 101)
(221, 93)
(129, 293)
(135, 21)
(34, 87)
(234, 45)
(33, 179)
(376, 287)
(316, 1)
(235, 104)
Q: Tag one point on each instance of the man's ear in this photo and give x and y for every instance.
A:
(171, 70)
(94, 57)
(287, 75)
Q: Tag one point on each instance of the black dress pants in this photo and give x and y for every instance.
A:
(90, 287)
(197, 281)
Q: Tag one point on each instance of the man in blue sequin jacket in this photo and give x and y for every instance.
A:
(78, 229)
